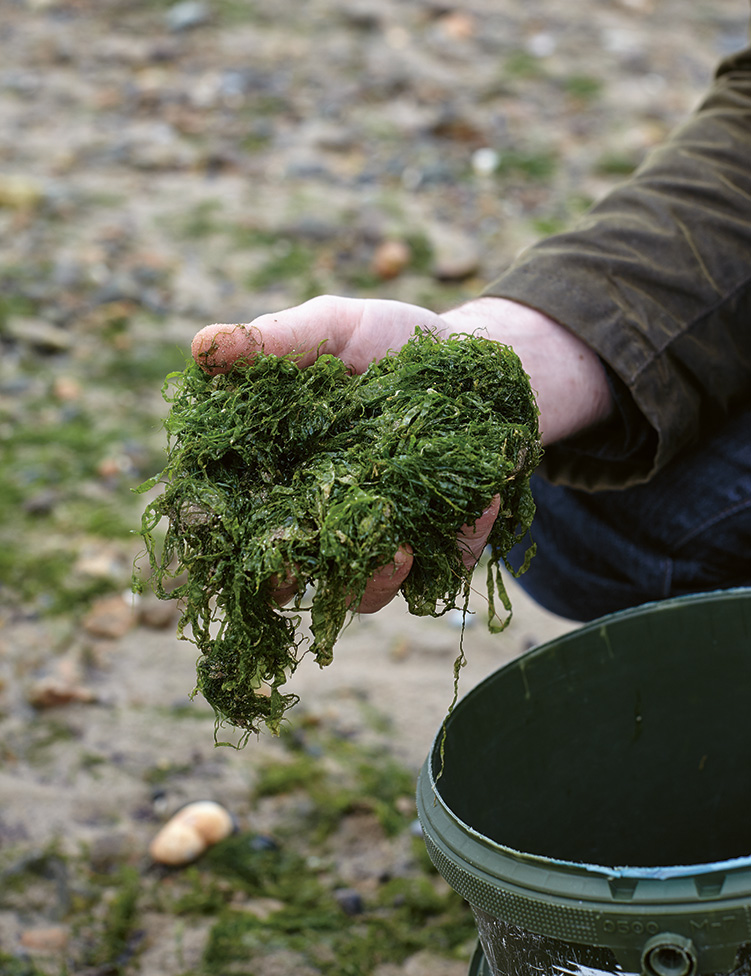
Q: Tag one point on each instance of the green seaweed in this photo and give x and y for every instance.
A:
(368, 780)
(274, 470)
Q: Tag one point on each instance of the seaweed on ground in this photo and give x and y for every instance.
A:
(274, 471)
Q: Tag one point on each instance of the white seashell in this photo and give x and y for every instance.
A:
(187, 834)
(177, 844)
(211, 820)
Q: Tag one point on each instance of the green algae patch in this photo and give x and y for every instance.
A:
(275, 473)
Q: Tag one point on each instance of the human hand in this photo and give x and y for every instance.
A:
(567, 376)
(359, 332)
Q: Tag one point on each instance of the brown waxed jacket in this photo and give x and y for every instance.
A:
(656, 278)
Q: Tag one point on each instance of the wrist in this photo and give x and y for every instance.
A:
(567, 376)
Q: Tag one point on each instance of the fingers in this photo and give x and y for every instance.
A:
(356, 330)
(323, 324)
(381, 589)
(385, 583)
(283, 589)
(217, 347)
(471, 542)
(472, 539)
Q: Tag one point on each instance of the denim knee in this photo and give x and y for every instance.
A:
(686, 531)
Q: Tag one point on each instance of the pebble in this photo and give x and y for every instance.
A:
(109, 850)
(190, 832)
(61, 686)
(42, 502)
(19, 192)
(455, 256)
(391, 258)
(46, 939)
(541, 45)
(38, 334)
(52, 691)
(458, 25)
(110, 617)
(260, 908)
(263, 842)
(365, 15)
(187, 15)
(349, 900)
(103, 562)
(67, 389)
(156, 614)
(485, 161)
(427, 963)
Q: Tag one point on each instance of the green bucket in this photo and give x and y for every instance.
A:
(592, 799)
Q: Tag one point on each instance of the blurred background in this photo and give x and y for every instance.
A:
(164, 166)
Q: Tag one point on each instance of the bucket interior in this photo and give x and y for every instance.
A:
(626, 742)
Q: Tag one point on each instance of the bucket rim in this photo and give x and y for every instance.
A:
(653, 872)
(635, 872)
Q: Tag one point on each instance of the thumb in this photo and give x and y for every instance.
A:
(323, 324)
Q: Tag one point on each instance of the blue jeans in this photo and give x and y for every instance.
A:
(688, 530)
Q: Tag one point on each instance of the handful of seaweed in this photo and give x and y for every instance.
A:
(274, 470)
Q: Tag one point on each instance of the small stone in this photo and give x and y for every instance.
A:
(261, 908)
(405, 805)
(110, 617)
(415, 829)
(38, 334)
(156, 614)
(262, 842)
(458, 25)
(67, 389)
(109, 467)
(391, 258)
(458, 127)
(19, 192)
(109, 850)
(485, 161)
(52, 691)
(61, 686)
(364, 15)
(400, 649)
(349, 900)
(427, 963)
(187, 15)
(456, 257)
(640, 6)
(326, 135)
(42, 503)
(102, 563)
(541, 45)
(46, 939)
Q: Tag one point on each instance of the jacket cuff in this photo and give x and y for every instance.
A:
(613, 455)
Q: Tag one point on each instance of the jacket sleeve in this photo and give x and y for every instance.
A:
(656, 278)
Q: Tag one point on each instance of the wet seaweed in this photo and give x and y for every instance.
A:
(276, 472)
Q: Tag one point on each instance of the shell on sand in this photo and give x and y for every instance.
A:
(193, 829)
